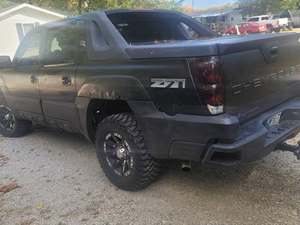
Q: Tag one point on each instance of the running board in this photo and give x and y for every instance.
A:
(290, 148)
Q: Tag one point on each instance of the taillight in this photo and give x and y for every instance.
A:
(209, 83)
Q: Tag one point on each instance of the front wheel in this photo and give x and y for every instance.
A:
(123, 155)
(10, 126)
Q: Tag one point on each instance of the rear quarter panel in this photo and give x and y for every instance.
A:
(131, 81)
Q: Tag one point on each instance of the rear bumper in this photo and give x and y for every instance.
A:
(221, 139)
(255, 141)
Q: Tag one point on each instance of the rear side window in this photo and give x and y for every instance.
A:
(153, 28)
(29, 50)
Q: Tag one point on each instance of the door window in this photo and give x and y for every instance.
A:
(25, 28)
(65, 44)
(188, 31)
(29, 50)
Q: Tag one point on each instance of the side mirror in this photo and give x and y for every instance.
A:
(5, 62)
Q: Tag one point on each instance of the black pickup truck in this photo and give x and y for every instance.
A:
(148, 85)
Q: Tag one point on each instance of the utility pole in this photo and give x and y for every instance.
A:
(193, 6)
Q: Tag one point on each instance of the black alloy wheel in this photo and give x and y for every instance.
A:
(10, 126)
(123, 155)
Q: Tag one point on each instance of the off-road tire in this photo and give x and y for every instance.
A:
(145, 169)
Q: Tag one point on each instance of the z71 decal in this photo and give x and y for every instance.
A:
(167, 83)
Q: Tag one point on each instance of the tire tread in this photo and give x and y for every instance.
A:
(148, 168)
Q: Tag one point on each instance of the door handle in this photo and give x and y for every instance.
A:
(33, 79)
(66, 81)
(274, 51)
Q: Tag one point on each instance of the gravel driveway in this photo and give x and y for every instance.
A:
(61, 183)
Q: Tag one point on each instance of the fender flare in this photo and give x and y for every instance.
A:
(126, 88)
(114, 88)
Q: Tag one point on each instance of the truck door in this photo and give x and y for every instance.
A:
(22, 93)
(57, 76)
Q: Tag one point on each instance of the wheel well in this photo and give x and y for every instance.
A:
(99, 109)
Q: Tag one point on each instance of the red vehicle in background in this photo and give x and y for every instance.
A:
(256, 24)
(248, 28)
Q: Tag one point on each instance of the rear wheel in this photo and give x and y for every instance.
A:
(123, 154)
(277, 30)
(10, 126)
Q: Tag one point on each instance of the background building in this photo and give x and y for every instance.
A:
(218, 22)
(16, 21)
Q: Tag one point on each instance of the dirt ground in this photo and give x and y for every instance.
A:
(297, 30)
(60, 183)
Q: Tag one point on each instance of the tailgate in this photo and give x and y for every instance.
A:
(261, 71)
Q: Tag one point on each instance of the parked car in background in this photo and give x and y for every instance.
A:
(293, 16)
(260, 24)
(219, 22)
(258, 19)
(247, 28)
(283, 22)
(266, 20)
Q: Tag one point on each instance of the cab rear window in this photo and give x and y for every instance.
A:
(152, 28)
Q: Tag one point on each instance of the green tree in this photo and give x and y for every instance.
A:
(290, 4)
(4, 4)
(57, 4)
(255, 7)
(79, 6)
(166, 4)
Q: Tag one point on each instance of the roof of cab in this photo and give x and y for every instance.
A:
(89, 15)
(117, 11)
